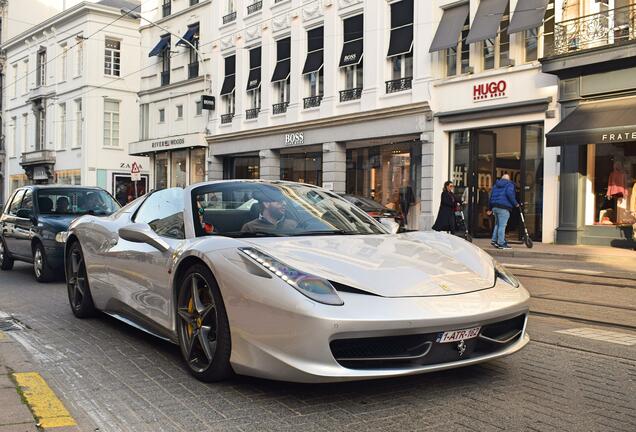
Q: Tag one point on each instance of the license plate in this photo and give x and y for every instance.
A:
(458, 213)
(458, 335)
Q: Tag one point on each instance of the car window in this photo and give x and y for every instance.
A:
(27, 201)
(75, 201)
(163, 211)
(15, 204)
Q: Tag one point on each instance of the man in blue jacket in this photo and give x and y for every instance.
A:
(502, 201)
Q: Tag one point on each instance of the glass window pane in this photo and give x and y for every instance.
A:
(178, 168)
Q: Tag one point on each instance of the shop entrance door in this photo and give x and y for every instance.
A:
(483, 145)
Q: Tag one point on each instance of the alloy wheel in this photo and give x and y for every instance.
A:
(198, 323)
(1, 251)
(76, 283)
(38, 262)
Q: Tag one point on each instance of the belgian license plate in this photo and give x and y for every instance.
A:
(458, 335)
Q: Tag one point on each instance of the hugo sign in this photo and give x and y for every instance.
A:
(490, 90)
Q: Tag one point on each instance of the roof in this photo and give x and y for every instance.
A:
(60, 186)
(119, 4)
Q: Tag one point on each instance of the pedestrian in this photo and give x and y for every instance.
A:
(446, 215)
(502, 201)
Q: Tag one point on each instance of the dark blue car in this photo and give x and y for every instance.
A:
(34, 216)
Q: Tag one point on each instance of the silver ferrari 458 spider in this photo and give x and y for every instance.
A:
(291, 282)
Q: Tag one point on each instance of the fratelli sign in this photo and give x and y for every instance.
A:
(612, 137)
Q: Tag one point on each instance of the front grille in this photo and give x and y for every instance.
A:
(422, 349)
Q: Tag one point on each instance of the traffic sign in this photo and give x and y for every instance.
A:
(135, 172)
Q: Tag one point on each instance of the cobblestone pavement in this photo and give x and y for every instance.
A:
(115, 378)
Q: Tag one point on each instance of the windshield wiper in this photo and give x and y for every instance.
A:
(242, 234)
(319, 233)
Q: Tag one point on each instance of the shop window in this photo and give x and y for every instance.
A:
(161, 170)
(242, 167)
(611, 184)
(68, 177)
(302, 167)
(179, 168)
(197, 166)
(459, 55)
(496, 51)
(112, 57)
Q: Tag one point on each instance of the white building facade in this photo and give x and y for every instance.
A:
(71, 100)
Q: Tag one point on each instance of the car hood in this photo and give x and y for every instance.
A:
(57, 222)
(404, 265)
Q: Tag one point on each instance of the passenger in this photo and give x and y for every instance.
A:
(272, 212)
(61, 205)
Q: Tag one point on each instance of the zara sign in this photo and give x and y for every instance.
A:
(490, 90)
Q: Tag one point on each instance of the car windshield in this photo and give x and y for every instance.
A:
(276, 209)
(366, 204)
(69, 201)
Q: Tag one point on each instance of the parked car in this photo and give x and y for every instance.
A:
(375, 209)
(33, 217)
(301, 285)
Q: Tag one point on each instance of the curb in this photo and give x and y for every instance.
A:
(520, 253)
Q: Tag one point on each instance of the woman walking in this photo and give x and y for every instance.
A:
(446, 215)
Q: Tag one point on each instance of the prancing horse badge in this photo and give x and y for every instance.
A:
(461, 347)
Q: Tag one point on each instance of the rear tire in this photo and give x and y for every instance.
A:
(79, 291)
(41, 269)
(6, 262)
(202, 326)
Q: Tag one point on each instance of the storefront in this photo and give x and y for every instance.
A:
(176, 161)
(377, 155)
(495, 125)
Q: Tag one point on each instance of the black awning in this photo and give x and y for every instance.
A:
(314, 62)
(254, 79)
(447, 34)
(283, 49)
(162, 45)
(487, 20)
(528, 15)
(401, 41)
(193, 31)
(229, 83)
(316, 39)
(608, 121)
(352, 53)
(401, 13)
(282, 70)
(353, 28)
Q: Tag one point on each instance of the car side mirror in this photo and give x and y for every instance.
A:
(391, 225)
(141, 233)
(24, 213)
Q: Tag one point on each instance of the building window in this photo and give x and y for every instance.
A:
(79, 57)
(402, 66)
(64, 60)
(354, 76)
(15, 80)
(62, 120)
(13, 135)
(144, 126)
(531, 36)
(496, 51)
(198, 107)
(459, 55)
(193, 66)
(166, 8)
(41, 68)
(193, 2)
(111, 123)
(165, 66)
(229, 101)
(162, 115)
(179, 112)
(40, 113)
(281, 76)
(25, 132)
(254, 84)
(282, 90)
(112, 57)
(302, 167)
(351, 59)
(315, 83)
(313, 69)
(25, 80)
(78, 123)
(162, 162)
(255, 98)
(400, 53)
(231, 12)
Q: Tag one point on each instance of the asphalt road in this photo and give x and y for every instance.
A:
(577, 374)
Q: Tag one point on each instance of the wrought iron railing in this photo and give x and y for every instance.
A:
(227, 118)
(280, 108)
(254, 7)
(312, 101)
(165, 78)
(193, 70)
(252, 113)
(166, 9)
(399, 85)
(229, 17)
(612, 27)
(193, 2)
(350, 94)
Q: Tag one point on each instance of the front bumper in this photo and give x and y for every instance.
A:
(279, 334)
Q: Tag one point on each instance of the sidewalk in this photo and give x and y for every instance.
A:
(595, 254)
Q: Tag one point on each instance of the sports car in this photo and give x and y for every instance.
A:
(291, 282)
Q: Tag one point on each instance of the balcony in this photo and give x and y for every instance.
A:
(165, 78)
(227, 118)
(312, 101)
(229, 18)
(37, 157)
(280, 108)
(399, 85)
(614, 27)
(350, 94)
(193, 70)
(251, 114)
(166, 9)
(254, 7)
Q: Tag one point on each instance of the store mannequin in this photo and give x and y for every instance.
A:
(617, 189)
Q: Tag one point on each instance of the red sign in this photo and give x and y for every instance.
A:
(491, 90)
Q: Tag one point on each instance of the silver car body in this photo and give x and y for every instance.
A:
(405, 284)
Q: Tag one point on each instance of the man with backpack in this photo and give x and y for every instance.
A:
(502, 201)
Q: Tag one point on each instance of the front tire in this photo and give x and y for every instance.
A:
(41, 269)
(79, 292)
(6, 262)
(528, 241)
(202, 326)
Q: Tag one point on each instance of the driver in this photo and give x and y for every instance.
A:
(93, 203)
(62, 205)
(272, 213)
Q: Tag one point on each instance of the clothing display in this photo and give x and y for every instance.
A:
(616, 183)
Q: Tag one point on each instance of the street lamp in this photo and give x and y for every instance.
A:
(136, 15)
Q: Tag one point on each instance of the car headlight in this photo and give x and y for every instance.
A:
(314, 287)
(61, 236)
(502, 273)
